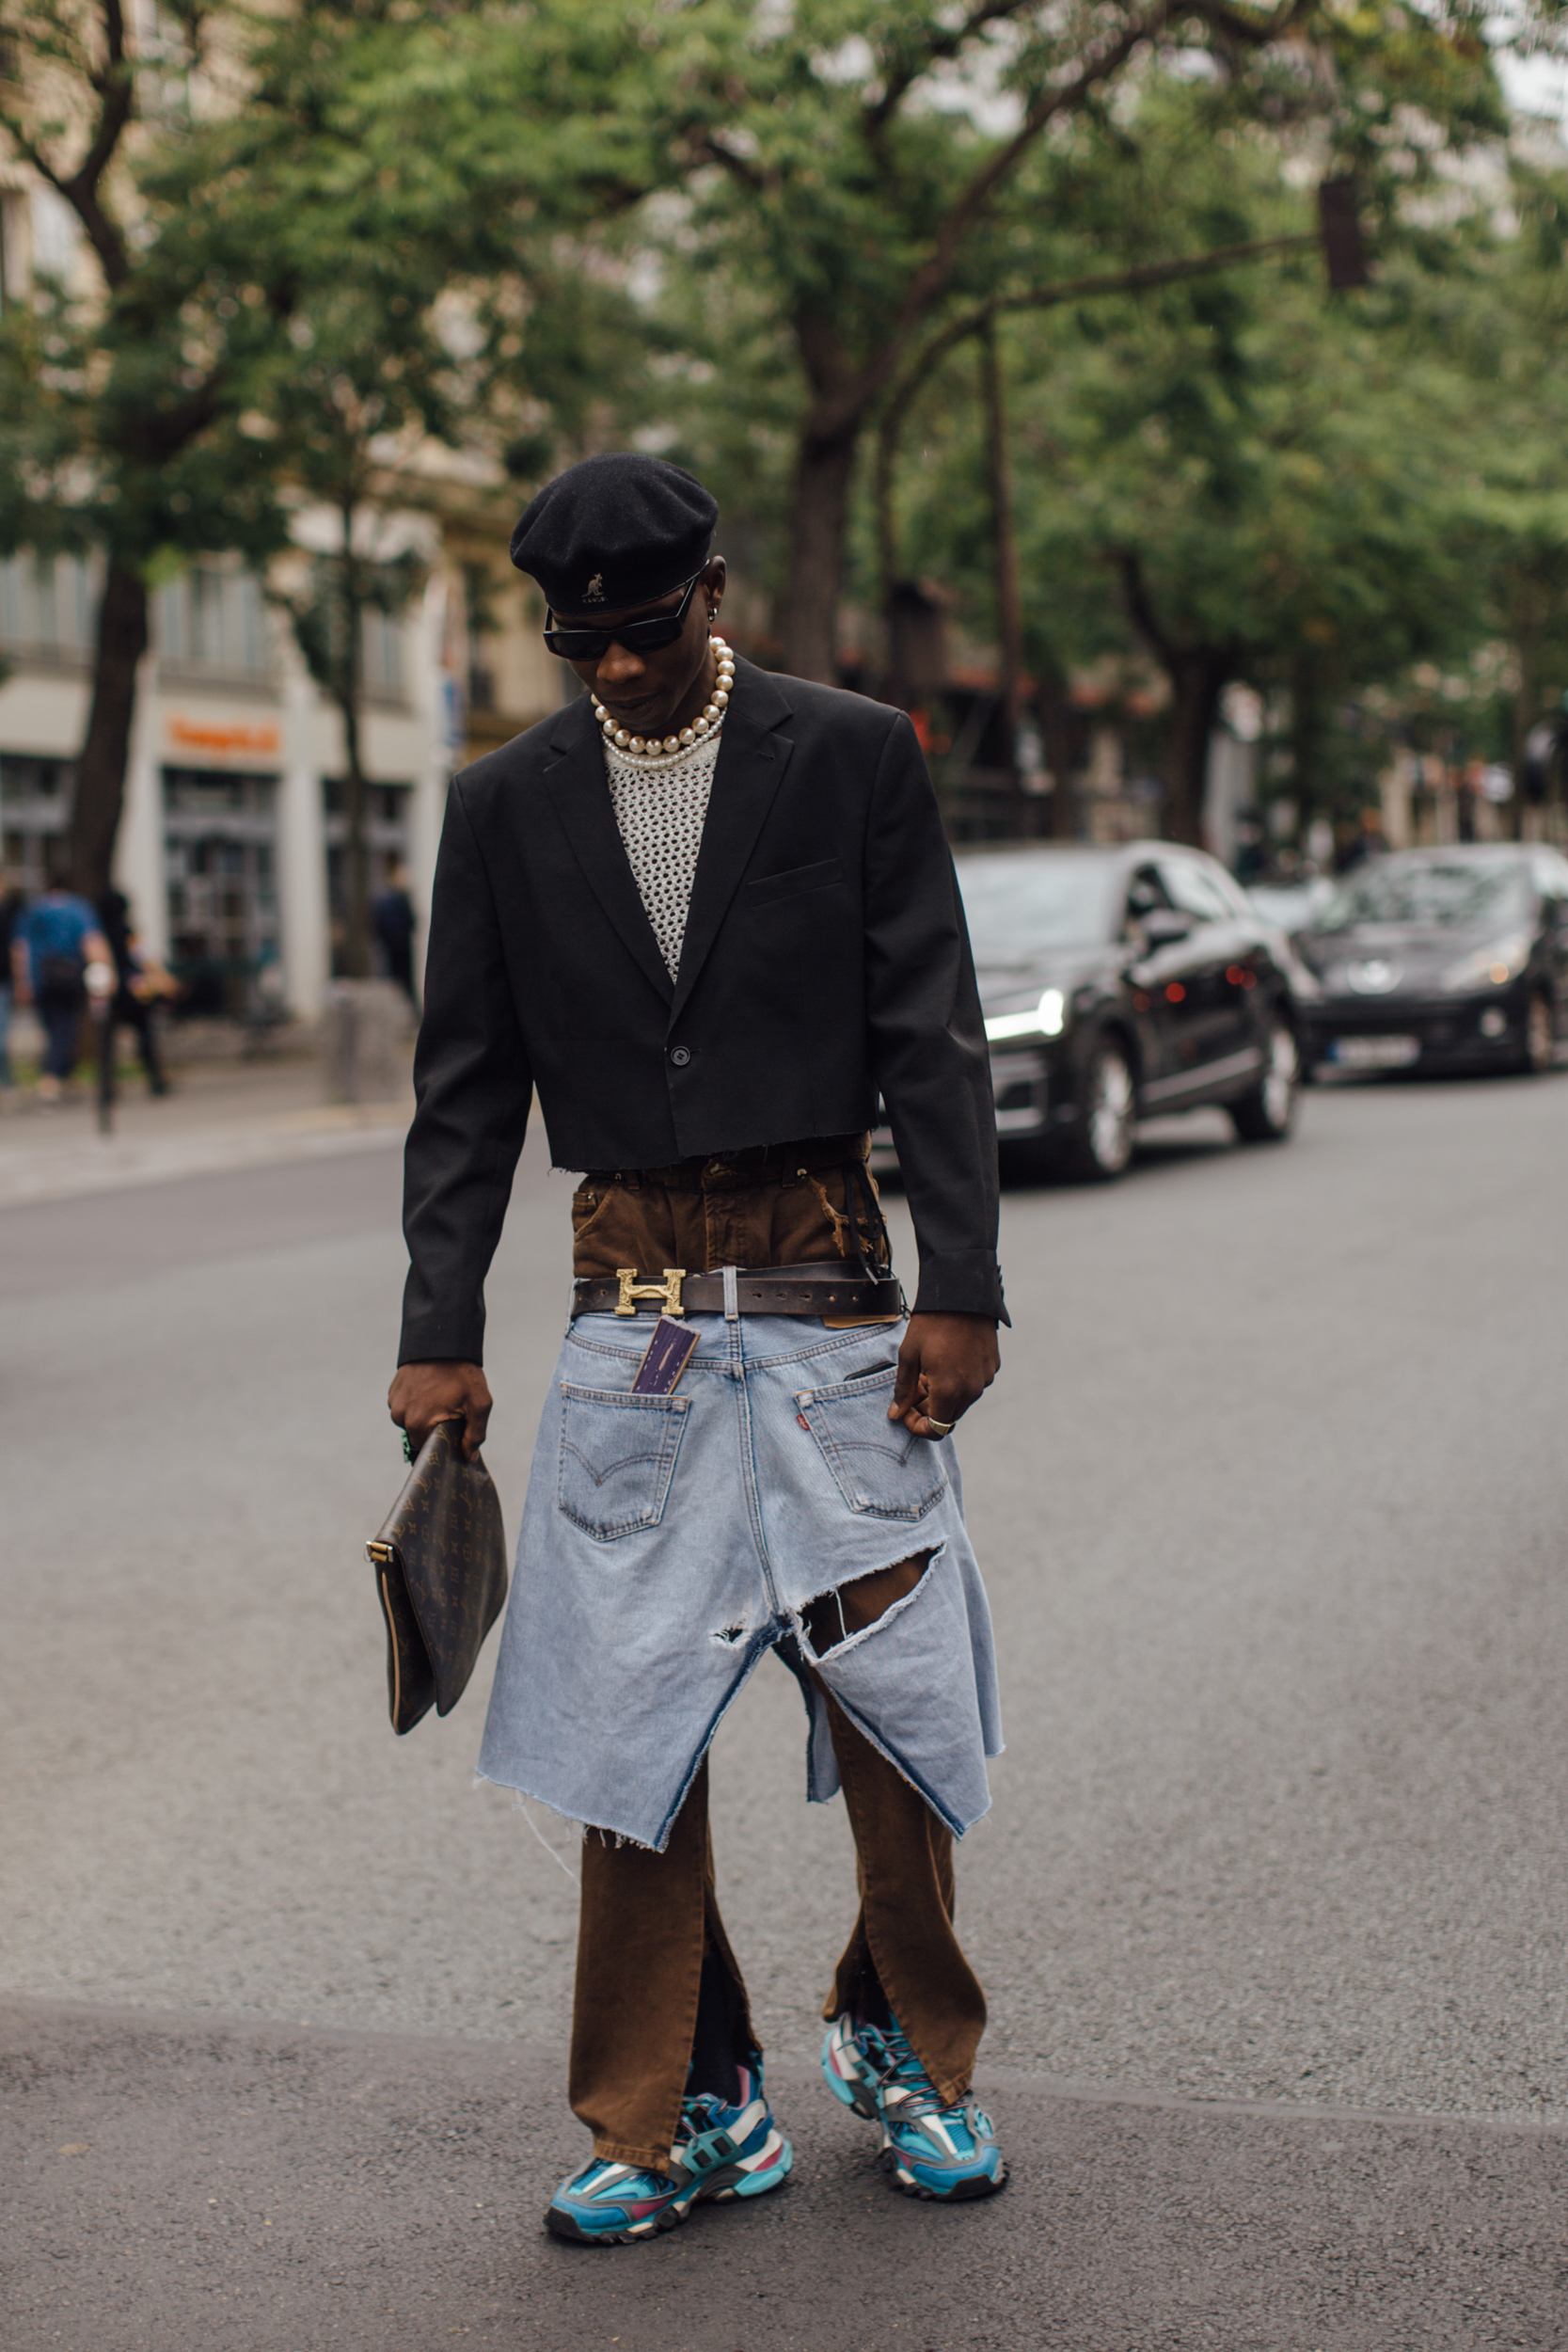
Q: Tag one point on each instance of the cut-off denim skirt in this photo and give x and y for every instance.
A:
(669, 1542)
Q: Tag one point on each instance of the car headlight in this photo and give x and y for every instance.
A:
(1491, 966)
(1046, 1019)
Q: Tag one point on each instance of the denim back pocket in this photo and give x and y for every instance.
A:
(879, 1467)
(617, 1458)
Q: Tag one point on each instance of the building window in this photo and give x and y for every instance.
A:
(382, 643)
(57, 233)
(35, 810)
(211, 623)
(386, 808)
(220, 866)
(47, 607)
(478, 625)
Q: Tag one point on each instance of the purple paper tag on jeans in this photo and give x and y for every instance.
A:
(665, 1357)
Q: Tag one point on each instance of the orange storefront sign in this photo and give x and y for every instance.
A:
(205, 735)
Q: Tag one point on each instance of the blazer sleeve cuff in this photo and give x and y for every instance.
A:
(962, 1282)
(426, 1340)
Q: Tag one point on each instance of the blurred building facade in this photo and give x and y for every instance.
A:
(231, 844)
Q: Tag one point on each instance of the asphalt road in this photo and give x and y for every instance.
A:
(1269, 1503)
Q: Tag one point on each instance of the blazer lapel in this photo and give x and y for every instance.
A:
(577, 786)
(752, 756)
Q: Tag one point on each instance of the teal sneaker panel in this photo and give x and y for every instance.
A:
(720, 2151)
(947, 2152)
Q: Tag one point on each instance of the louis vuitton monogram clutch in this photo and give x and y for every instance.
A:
(440, 1566)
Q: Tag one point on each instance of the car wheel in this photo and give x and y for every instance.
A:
(1108, 1101)
(1266, 1113)
(1540, 1036)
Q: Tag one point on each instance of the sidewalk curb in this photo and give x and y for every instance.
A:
(177, 2181)
(75, 1168)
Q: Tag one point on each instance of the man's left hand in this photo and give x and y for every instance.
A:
(946, 1363)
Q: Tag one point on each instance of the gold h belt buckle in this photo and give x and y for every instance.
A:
(668, 1293)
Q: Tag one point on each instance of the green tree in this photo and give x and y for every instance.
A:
(122, 382)
(358, 375)
(866, 170)
(1506, 321)
(275, 209)
(1242, 474)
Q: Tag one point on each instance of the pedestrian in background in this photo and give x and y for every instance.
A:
(140, 980)
(392, 914)
(13, 904)
(57, 938)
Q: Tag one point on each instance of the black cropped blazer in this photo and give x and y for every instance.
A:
(825, 963)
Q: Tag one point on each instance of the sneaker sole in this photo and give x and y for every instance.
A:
(772, 2167)
(961, 2193)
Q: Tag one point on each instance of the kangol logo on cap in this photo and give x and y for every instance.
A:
(593, 593)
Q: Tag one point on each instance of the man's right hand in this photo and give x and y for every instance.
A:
(423, 1395)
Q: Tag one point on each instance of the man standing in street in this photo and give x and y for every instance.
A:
(392, 917)
(54, 942)
(140, 982)
(710, 915)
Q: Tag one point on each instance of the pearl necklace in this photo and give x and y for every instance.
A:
(712, 719)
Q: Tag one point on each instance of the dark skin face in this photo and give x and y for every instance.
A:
(946, 1361)
(657, 693)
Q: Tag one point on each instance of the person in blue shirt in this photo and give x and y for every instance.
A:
(54, 942)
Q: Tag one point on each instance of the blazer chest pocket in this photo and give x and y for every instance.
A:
(617, 1458)
(879, 1469)
(797, 879)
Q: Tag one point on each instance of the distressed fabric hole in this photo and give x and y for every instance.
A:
(835, 1617)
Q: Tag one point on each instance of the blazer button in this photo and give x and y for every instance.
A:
(680, 1055)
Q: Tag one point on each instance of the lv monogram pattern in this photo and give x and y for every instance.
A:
(445, 1586)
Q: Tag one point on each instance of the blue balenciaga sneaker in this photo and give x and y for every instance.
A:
(720, 2151)
(929, 2150)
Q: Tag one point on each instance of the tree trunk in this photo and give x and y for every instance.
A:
(1009, 609)
(1197, 677)
(1526, 701)
(1307, 744)
(1061, 748)
(824, 470)
(356, 880)
(122, 641)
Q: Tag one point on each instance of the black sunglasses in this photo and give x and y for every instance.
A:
(590, 644)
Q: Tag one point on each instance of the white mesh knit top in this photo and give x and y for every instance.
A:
(660, 805)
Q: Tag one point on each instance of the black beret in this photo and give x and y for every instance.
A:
(615, 532)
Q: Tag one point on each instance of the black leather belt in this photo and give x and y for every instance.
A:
(767, 1290)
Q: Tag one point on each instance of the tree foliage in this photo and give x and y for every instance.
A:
(1247, 478)
(744, 233)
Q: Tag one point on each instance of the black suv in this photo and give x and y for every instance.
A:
(1122, 983)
